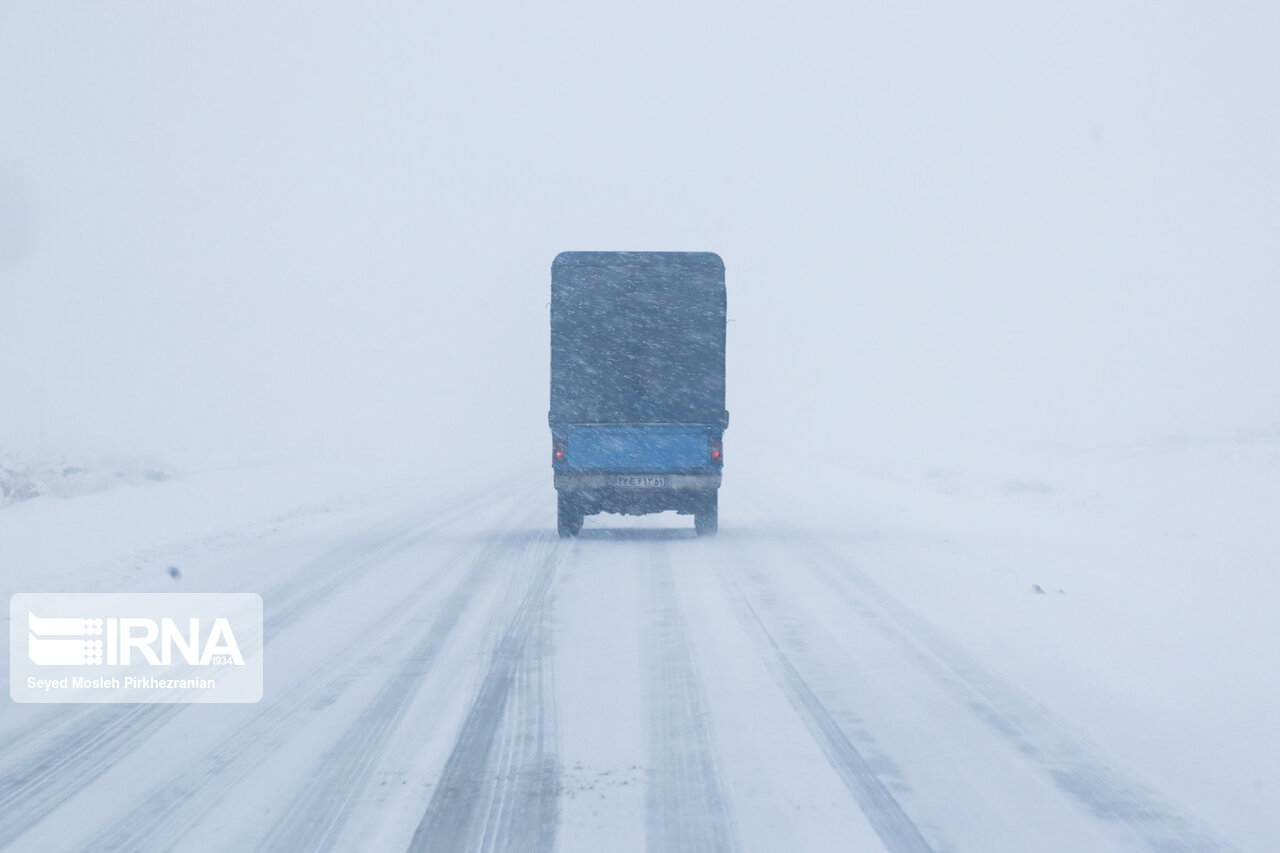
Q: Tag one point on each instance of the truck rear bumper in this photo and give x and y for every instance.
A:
(672, 482)
(593, 493)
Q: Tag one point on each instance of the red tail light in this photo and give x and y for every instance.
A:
(716, 446)
(557, 451)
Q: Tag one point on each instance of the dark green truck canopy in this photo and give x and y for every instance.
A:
(637, 337)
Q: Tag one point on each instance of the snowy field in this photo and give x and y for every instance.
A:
(1062, 652)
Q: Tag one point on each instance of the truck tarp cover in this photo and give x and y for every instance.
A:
(637, 337)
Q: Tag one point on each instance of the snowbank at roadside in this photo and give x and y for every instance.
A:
(22, 480)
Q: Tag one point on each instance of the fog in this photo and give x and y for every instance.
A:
(244, 228)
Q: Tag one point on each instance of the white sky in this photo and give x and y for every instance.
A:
(242, 225)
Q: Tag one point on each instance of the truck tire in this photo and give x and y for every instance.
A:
(706, 519)
(568, 518)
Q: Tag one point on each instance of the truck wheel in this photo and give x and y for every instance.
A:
(706, 519)
(568, 519)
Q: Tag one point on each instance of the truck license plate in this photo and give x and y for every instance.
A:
(639, 481)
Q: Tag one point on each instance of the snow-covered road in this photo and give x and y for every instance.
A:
(443, 673)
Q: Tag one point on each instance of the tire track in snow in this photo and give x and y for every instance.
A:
(496, 794)
(315, 817)
(61, 722)
(175, 804)
(69, 759)
(1077, 767)
(524, 812)
(687, 808)
(890, 821)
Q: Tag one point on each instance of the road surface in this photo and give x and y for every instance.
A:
(444, 673)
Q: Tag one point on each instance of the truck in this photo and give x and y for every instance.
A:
(637, 385)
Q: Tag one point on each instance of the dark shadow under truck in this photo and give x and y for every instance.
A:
(637, 384)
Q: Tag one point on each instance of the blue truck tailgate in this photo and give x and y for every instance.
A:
(638, 449)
